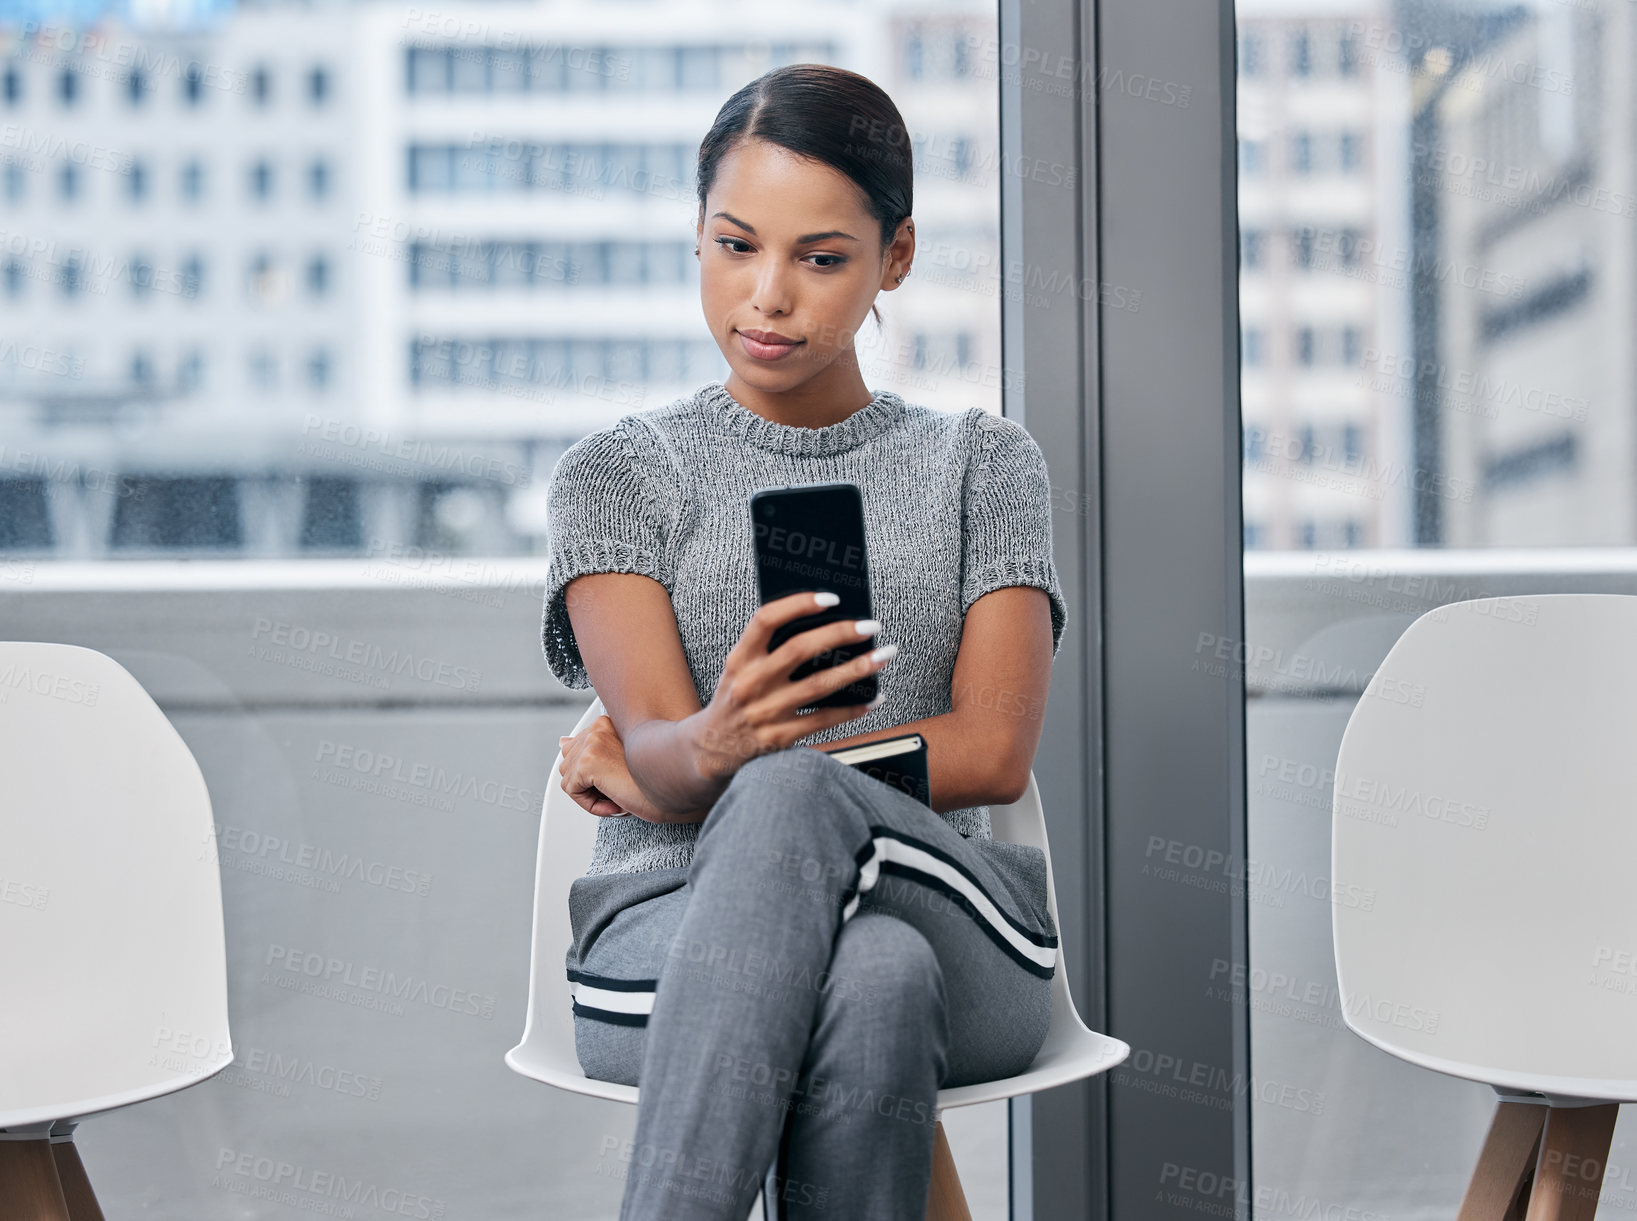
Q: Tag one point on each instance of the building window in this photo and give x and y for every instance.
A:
(261, 85)
(1301, 246)
(141, 369)
(426, 70)
(319, 368)
(141, 277)
(1554, 455)
(1250, 55)
(1550, 299)
(1301, 52)
(190, 372)
(261, 179)
(1347, 53)
(13, 277)
(193, 84)
(11, 85)
(193, 180)
(136, 181)
(1252, 346)
(69, 277)
(915, 54)
(1352, 443)
(1352, 345)
(1255, 441)
(318, 275)
(1301, 152)
(318, 85)
(136, 87)
(263, 369)
(265, 281)
(318, 178)
(1350, 151)
(68, 181)
(1305, 353)
(68, 87)
(1252, 156)
(193, 277)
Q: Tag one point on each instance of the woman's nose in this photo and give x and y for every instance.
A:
(772, 295)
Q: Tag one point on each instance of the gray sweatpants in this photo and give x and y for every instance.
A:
(792, 1000)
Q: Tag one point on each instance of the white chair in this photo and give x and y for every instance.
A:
(567, 834)
(1484, 842)
(112, 948)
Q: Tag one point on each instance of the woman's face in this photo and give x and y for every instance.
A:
(790, 262)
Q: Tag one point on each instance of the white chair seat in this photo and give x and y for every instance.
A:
(546, 1053)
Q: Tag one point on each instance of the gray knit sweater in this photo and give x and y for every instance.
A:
(956, 504)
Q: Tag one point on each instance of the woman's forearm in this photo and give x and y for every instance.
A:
(663, 760)
(966, 764)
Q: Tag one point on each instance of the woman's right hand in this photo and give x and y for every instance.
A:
(753, 709)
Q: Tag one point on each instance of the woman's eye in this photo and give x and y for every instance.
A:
(734, 244)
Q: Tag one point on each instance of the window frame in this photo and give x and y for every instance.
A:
(1153, 559)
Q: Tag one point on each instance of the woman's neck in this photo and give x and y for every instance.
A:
(816, 403)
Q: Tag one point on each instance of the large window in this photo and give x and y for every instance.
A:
(1459, 378)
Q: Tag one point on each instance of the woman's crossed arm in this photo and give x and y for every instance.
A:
(677, 760)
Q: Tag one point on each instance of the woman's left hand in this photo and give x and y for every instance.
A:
(595, 773)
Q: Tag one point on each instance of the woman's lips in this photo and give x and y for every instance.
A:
(767, 351)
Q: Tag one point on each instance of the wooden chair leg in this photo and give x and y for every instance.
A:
(1574, 1153)
(29, 1190)
(945, 1201)
(1504, 1163)
(76, 1184)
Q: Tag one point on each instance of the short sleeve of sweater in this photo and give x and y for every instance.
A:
(602, 515)
(1007, 537)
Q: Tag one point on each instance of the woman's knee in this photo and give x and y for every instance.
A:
(772, 806)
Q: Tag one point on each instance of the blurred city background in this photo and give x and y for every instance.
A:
(344, 279)
(285, 280)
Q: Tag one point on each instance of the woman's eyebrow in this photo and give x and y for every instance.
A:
(804, 238)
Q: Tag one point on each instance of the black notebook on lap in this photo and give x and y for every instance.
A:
(900, 762)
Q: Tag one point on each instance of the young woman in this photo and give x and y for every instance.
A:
(789, 956)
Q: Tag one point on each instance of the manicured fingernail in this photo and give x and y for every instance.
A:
(885, 652)
(827, 598)
(867, 627)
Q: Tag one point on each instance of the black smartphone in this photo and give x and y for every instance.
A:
(811, 537)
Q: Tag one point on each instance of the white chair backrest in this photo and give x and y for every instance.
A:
(1484, 846)
(112, 952)
(567, 836)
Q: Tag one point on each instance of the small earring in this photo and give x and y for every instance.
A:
(696, 249)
